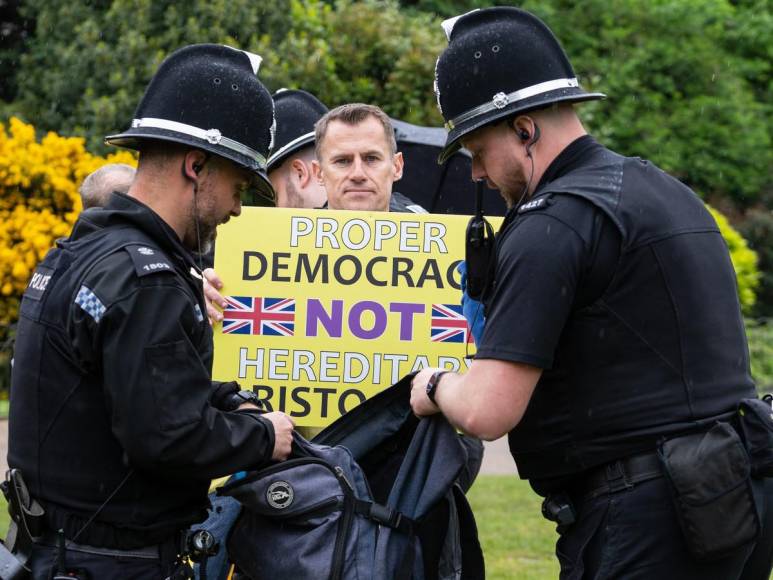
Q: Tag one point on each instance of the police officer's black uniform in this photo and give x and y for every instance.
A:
(112, 420)
(613, 278)
(111, 374)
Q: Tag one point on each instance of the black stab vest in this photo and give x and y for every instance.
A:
(662, 351)
(72, 466)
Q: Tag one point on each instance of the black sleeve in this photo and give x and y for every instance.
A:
(546, 262)
(157, 389)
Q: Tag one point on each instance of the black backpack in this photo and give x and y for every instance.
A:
(377, 495)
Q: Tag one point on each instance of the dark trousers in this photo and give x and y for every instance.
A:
(99, 564)
(635, 534)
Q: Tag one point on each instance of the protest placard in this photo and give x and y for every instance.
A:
(327, 308)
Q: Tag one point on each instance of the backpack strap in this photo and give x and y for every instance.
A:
(384, 515)
(473, 564)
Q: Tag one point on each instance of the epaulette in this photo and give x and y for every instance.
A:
(148, 260)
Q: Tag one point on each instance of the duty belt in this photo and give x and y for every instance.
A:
(619, 475)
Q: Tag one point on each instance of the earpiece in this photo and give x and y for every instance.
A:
(523, 134)
(197, 168)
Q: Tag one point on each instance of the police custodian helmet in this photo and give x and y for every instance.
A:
(208, 96)
(499, 62)
(296, 114)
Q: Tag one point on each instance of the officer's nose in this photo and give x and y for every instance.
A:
(478, 171)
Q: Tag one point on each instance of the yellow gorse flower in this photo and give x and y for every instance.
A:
(39, 201)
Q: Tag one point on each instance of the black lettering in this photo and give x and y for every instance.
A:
(434, 275)
(369, 271)
(282, 399)
(345, 395)
(276, 266)
(246, 263)
(337, 270)
(311, 275)
(325, 392)
(303, 403)
(405, 271)
(451, 274)
(259, 390)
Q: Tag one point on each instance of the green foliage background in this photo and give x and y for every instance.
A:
(688, 82)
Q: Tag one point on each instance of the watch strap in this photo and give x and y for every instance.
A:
(432, 385)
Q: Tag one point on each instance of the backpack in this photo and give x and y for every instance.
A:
(377, 495)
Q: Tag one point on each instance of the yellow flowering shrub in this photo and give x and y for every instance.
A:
(39, 201)
(744, 261)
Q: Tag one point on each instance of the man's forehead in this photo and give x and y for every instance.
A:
(368, 136)
(475, 137)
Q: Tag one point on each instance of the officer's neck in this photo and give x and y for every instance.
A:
(167, 194)
(557, 132)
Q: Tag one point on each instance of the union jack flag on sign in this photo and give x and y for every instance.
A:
(449, 324)
(265, 316)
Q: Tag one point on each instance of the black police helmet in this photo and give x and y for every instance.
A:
(208, 96)
(296, 113)
(499, 62)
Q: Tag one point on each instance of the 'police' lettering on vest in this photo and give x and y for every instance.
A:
(38, 283)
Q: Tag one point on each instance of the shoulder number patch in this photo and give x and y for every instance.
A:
(534, 204)
(148, 260)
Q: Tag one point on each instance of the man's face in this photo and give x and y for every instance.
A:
(357, 167)
(218, 198)
(498, 156)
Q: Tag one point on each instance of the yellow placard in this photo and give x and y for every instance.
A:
(327, 308)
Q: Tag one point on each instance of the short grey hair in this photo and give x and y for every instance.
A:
(96, 188)
(354, 114)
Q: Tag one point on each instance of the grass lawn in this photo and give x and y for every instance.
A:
(518, 543)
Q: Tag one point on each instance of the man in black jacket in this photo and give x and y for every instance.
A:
(114, 422)
(612, 323)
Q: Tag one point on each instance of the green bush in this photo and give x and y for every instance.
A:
(679, 93)
(359, 51)
(760, 337)
(88, 62)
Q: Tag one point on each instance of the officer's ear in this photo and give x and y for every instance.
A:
(527, 131)
(193, 163)
(302, 170)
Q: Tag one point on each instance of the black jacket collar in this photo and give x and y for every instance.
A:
(122, 210)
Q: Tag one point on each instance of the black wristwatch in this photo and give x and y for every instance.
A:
(434, 381)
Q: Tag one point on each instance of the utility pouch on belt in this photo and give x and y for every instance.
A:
(710, 481)
(755, 423)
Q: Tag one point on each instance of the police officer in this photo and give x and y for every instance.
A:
(114, 421)
(612, 317)
(289, 165)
